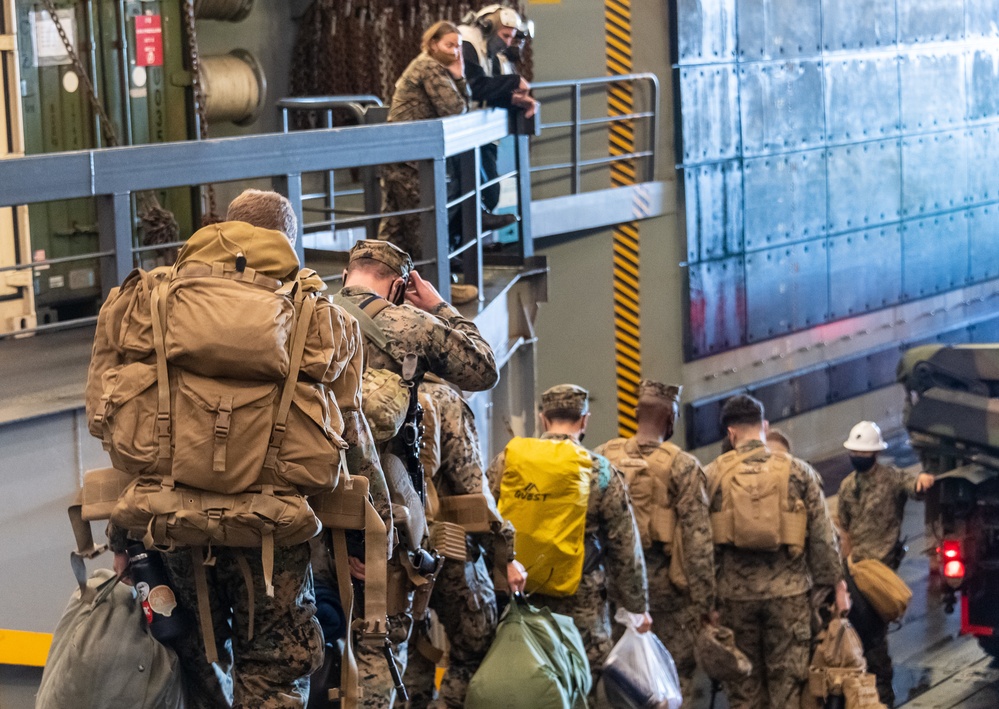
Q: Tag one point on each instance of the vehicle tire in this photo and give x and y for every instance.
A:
(989, 645)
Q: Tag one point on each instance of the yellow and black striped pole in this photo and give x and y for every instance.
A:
(627, 328)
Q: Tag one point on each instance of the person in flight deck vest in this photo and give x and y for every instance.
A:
(576, 532)
(668, 492)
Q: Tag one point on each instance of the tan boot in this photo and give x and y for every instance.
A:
(462, 293)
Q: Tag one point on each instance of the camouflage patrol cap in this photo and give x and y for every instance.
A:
(383, 252)
(565, 398)
(718, 655)
(657, 391)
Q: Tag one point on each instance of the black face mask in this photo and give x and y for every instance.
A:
(495, 45)
(512, 53)
(862, 463)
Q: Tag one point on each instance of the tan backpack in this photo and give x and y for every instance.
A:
(757, 513)
(648, 481)
(210, 385)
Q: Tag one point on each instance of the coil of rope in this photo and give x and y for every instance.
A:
(157, 225)
(234, 87)
(226, 10)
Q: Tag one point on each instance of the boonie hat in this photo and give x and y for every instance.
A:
(383, 252)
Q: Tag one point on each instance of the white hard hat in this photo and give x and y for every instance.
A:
(865, 437)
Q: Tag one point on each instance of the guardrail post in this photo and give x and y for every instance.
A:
(523, 149)
(114, 227)
(577, 138)
(469, 174)
(433, 224)
(291, 187)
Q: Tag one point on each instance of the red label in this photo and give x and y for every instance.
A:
(148, 40)
(147, 611)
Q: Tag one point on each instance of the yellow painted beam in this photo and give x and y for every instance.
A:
(21, 647)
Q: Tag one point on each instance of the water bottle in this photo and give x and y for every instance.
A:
(159, 604)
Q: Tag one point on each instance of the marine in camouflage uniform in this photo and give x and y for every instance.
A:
(613, 564)
(764, 596)
(464, 597)
(677, 613)
(871, 508)
(425, 90)
(446, 345)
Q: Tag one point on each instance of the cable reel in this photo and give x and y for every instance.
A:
(225, 10)
(235, 87)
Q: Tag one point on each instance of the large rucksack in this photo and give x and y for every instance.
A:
(756, 512)
(209, 383)
(648, 480)
(545, 494)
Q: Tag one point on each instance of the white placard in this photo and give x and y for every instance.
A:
(49, 49)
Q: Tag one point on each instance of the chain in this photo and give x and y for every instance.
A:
(198, 91)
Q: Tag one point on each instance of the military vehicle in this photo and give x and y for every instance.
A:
(952, 415)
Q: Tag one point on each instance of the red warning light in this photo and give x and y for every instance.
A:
(954, 569)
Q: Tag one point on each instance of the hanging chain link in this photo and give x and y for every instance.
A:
(198, 91)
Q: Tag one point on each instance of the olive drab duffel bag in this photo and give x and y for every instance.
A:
(209, 383)
(885, 590)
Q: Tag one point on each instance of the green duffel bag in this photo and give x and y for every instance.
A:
(103, 656)
(537, 661)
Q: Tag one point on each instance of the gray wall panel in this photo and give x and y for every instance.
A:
(710, 35)
(864, 185)
(934, 172)
(857, 24)
(781, 107)
(861, 98)
(981, 18)
(864, 271)
(779, 29)
(983, 83)
(709, 105)
(930, 20)
(785, 198)
(983, 238)
(714, 210)
(932, 90)
(717, 306)
(786, 289)
(934, 255)
(983, 160)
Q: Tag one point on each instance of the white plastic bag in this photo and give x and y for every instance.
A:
(639, 672)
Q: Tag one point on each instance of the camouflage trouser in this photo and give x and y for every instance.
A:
(269, 671)
(588, 609)
(775, 634)
(465, 603)
(676, 621)
(378, 689)
(400, 191)
(879, 663)
(451, 442)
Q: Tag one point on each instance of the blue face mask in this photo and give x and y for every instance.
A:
(862, 463)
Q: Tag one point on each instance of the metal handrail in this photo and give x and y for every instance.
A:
(576, 86)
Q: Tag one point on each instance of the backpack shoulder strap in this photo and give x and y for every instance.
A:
(365, 316)
(728, 464)
(662, 459)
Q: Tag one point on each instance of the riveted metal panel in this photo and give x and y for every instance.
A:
(861, 98)
(848, 378)
(865, 271)
(981, 18)
(717, 306)
(983, 157)
(983, 83)
(811, 389)
(777, 398)
(709, 107)
(932, 90)
(930, 20)
(703, 425)
(785, 198)
(706, 30)
(779, 29)
(786, 289)
(987, 331)
(864, 184)
(934, 172)
(983, 238)
(882, 367)
(781, 106)
(714, 210)
(934, 255)
(857, 24)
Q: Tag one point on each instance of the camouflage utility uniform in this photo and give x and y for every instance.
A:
(447, 345)
(464, 597)
(676, 611)
(613, 560)
(871, 507)
(425, 90)
(764, 596)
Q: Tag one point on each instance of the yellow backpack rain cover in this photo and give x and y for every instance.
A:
(545, 493)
